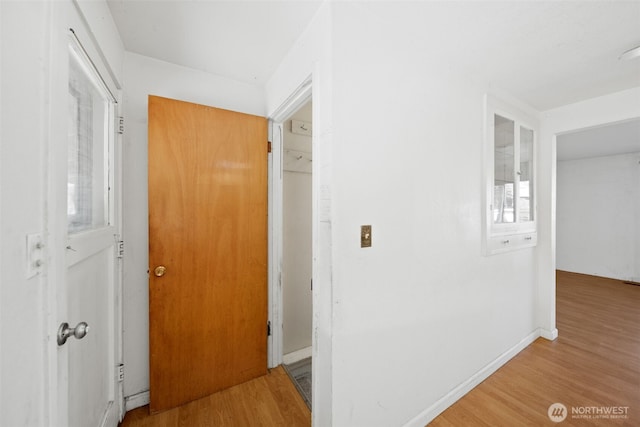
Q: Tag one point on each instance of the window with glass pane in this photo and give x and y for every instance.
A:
(88, 119)
(525, 175)
(504, 176)
(509, 211)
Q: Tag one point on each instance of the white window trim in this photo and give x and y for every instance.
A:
(499, 238)
(77, 50)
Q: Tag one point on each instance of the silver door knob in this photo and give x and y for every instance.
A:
(64, 332)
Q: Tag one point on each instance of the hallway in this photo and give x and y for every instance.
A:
(595, 362)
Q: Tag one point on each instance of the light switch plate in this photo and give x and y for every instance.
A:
(365, 236)
(34, 254)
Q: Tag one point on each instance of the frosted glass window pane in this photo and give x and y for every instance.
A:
(525, 196)
(504, 173)
(87, 178)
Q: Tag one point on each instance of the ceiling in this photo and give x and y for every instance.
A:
(617, 138)
(241, 40)
(546, 53)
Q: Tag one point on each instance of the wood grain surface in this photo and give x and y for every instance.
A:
(594, 362)
(271, 400)
(208, 227)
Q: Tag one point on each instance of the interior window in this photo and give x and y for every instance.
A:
(89, 107)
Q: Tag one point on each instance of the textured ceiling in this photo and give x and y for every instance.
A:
(555, 53)
(547, 54)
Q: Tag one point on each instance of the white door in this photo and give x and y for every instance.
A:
(83, 233)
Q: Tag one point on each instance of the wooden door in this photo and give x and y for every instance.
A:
(208, 229)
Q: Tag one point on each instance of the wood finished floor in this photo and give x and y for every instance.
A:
(271, 400)
(594, 362)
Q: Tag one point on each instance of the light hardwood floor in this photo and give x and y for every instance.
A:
(271, 400)
(594, 362)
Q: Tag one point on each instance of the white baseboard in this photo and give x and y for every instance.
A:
(296, 356)
(136, 400)
(549, 335)
(110, 416)
(426, 416)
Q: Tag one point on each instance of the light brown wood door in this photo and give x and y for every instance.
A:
(208, 228)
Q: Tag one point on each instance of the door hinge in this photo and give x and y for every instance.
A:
(269, 328)
(120, 372)
(120, 248)
(120, 125)
(268, 146)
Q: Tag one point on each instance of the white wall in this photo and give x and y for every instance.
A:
(297, 255)
(296, 262)
(598, 214)
(144, 76)
(421, 311)
(24, 30)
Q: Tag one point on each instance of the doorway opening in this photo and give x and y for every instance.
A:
(297, 301)
(292, 248)
(599, 166)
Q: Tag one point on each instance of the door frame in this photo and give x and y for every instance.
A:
(297, 99)
(594, 112)
(66, 16)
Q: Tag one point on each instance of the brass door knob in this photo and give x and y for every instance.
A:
(160, 270)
